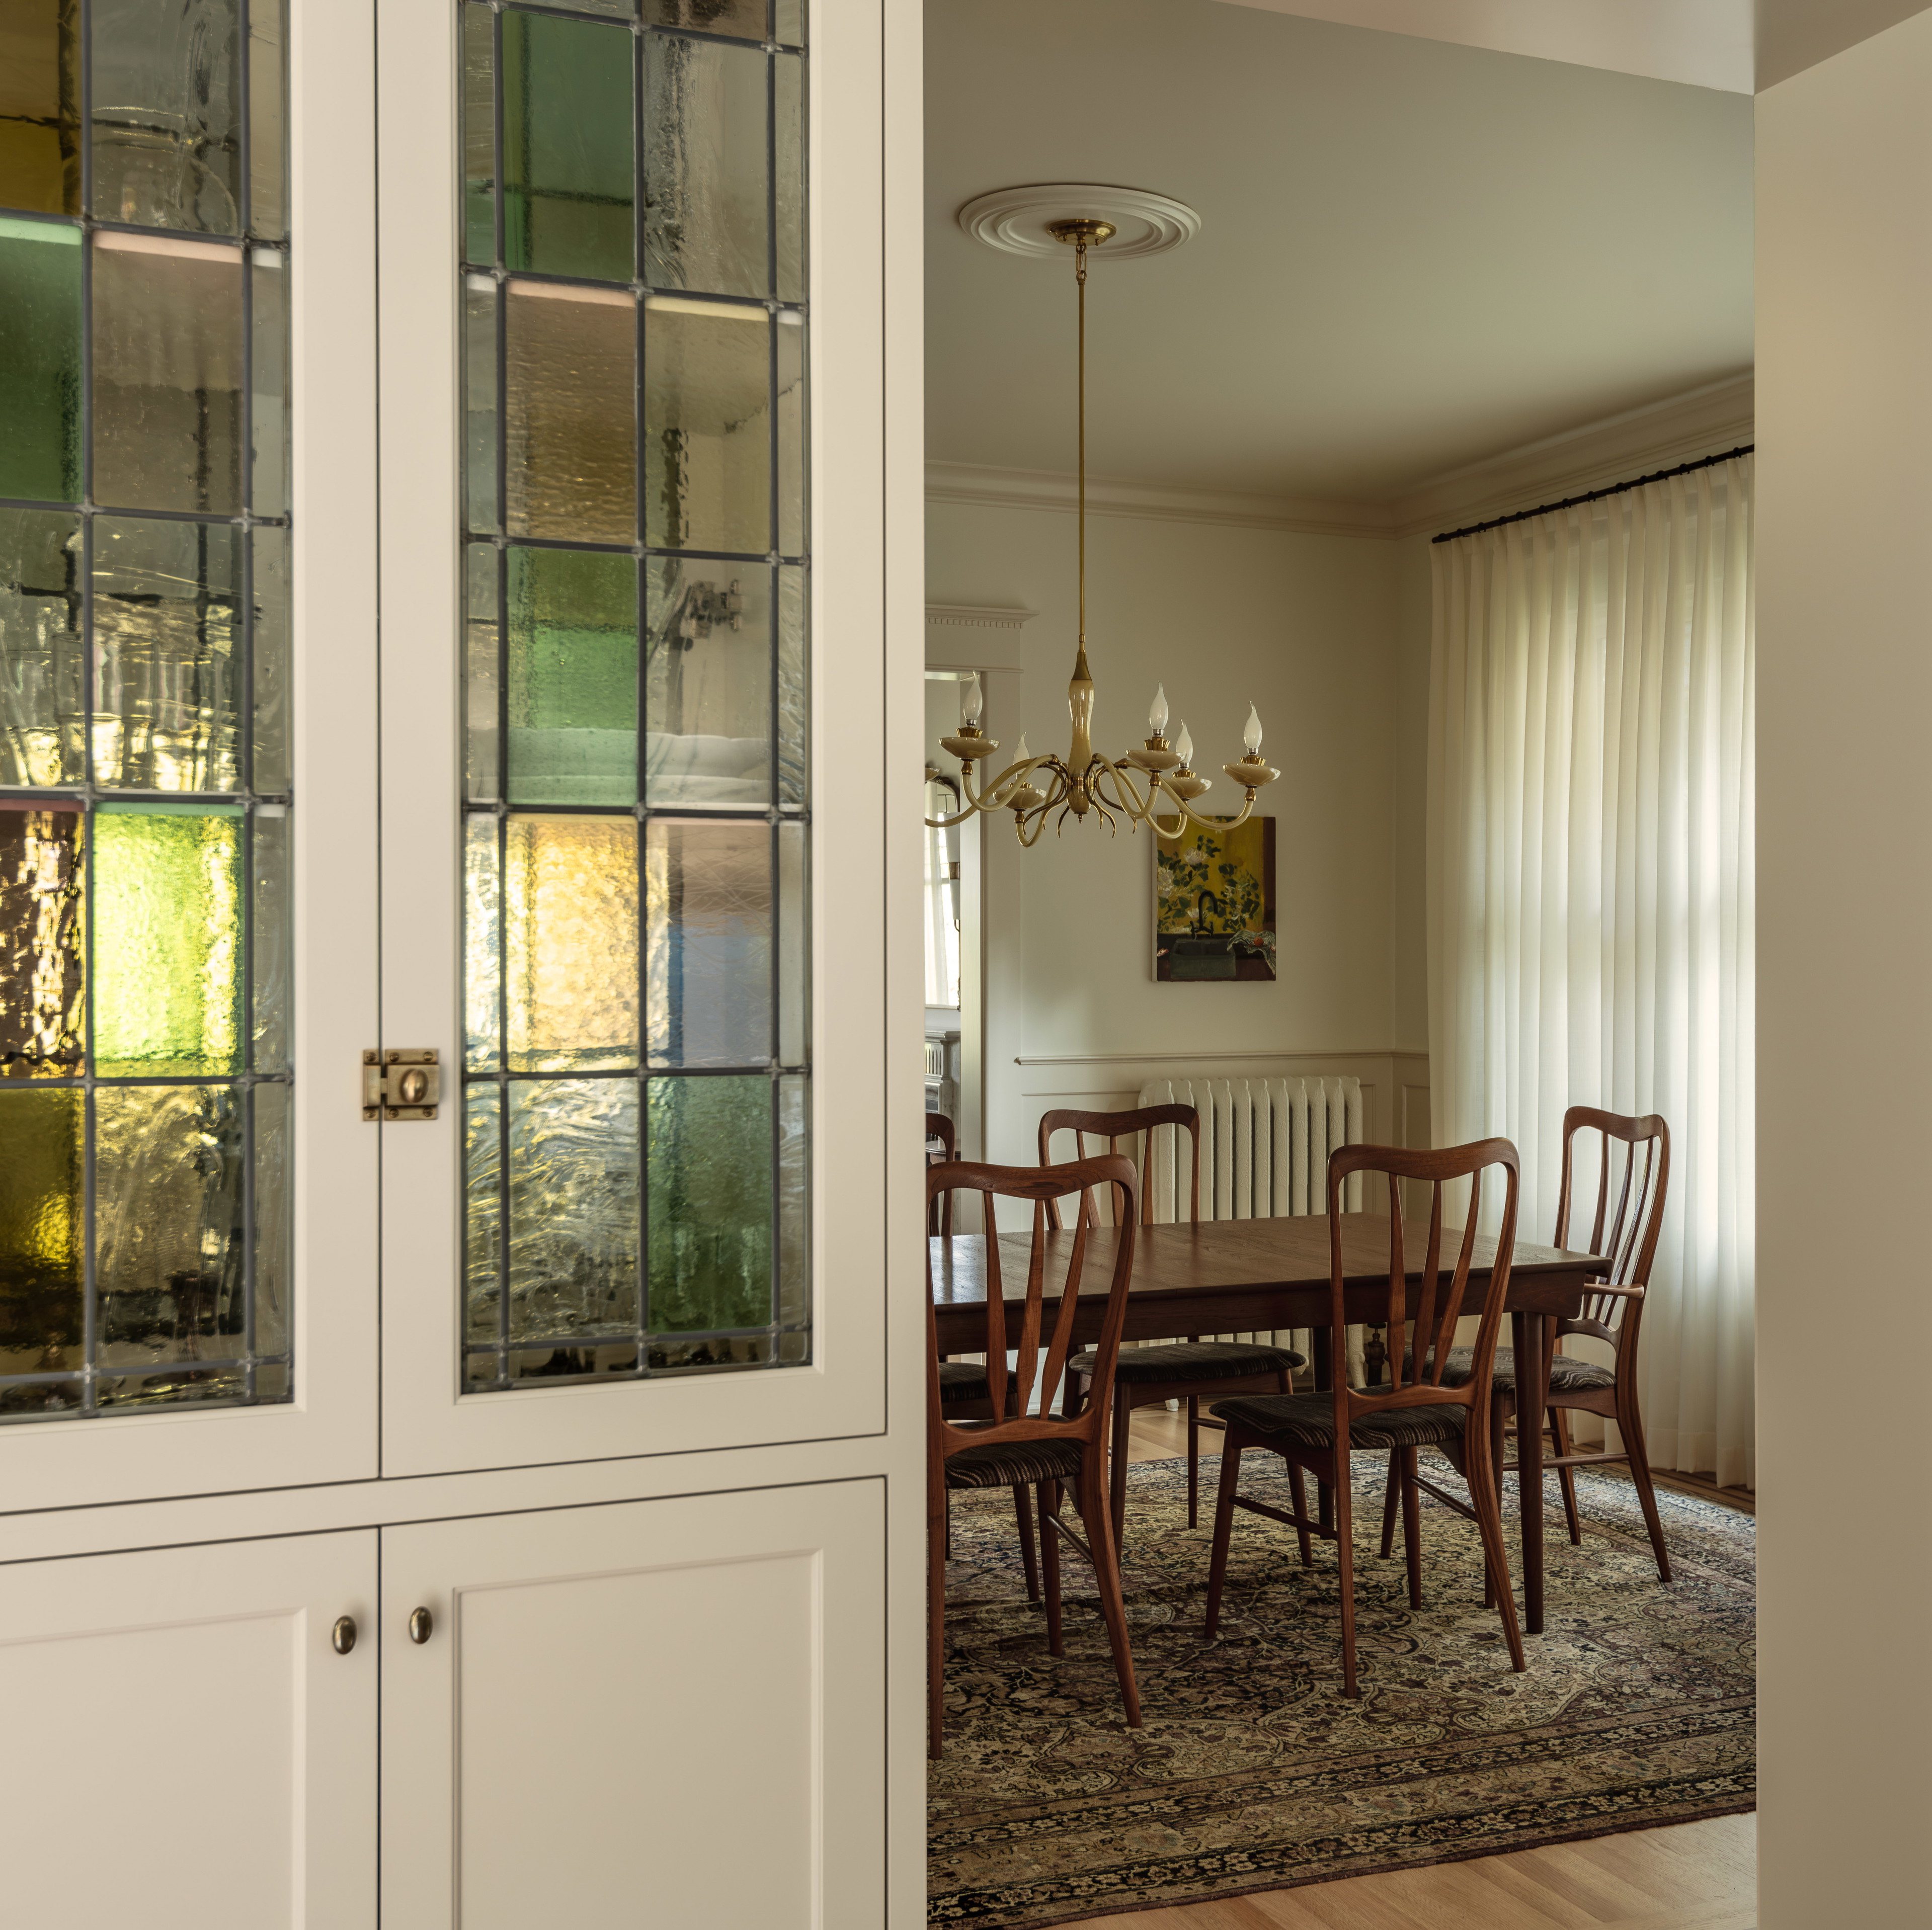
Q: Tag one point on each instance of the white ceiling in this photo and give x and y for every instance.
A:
(1414, 254)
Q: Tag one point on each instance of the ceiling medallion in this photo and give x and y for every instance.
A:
(1017, 220)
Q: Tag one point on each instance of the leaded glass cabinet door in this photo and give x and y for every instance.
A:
(633, 433)
(188, 1211)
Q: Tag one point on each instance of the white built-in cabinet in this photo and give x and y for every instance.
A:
(652, 1680)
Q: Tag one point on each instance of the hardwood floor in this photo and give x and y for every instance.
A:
(1693, 1876)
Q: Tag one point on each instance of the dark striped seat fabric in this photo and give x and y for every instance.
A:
(1568, 1374)
(1194, 1360)
(963, 1380)
(1006, 1464)
(1309, 1421)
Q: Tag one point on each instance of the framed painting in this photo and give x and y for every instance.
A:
(1214, 904)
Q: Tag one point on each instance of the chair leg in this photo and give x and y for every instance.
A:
(1107, 1574)
(1412, 1525)
(1193, 1459)
(1490, 1523)
(1390, 1496)
(1632, 1431)
(935, 1621)
(1049, 1562)
(1325, 1502)
(1029, 1560)
(1559, 1429)
(1224, 1524)
(1345, 1554)
(1116, 1463)
(1301, 1508)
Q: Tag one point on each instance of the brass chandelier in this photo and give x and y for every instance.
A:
(1035, 788)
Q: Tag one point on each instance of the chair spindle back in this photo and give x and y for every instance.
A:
(1114, 1127)
(1633, 1182)
(939, 1209)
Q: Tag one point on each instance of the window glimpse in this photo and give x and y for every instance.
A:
(636, 591)
(144, 732)
(942, 895)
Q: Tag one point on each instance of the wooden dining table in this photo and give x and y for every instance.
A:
(1257, 1276)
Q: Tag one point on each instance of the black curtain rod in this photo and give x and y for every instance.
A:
(1595, 495)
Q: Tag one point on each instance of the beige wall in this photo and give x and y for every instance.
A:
(1845, 952)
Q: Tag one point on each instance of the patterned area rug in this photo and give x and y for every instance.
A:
(1253, 1772)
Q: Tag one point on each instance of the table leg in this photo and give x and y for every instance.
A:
(1531, 1341)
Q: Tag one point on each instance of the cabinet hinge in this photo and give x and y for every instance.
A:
(401, 1082)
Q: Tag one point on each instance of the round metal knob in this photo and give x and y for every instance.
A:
(422, 1625)
(414, 1088)
(342, 1637)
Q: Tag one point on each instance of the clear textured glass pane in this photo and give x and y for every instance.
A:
(790, 334)
(708, 898)
(794, 1202)
(39, 360)
(169, 1242)
(788, 176)
(794, 689)
(708, 426)
(269, 936)
(481, 511)
(789, 21)
(482, 973)
(573, 672)
(167, 373)
(573, 1207)
(167, 940)
(708, 684)
(40, 106)
(570, 426)
(706, 225)
(794, 947)
(269, 381)
(710, 1204)
(167, 689)
(570, 963)
(482, 1211)
(42, 943)
(167, 133)
(479, 135)
(43, 699)
(268, 118)
(618, 9)
(568, 168)
(273, 1174)
(481, 620)
(270, 644)
(744, 18)
(43, 1232)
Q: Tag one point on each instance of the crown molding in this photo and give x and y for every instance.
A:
(973, 616)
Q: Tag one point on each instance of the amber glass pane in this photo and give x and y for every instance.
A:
(708, 426)
(570, 424)
(744, 18)
(167, 940)
(567, 170)
(42, 669)
(573, 671)
(167, 373)
(708, 900)
(39, 360)
(43, 1234)
(706, 225)
(42, 943)
(570, 969)
(40, 106)
(167, 648)
(166, 133)
(710, 1166)
(168, 1243)
(708, 687)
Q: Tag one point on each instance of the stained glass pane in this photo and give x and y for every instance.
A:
(708, 684)
(788, 22)
(42, 943)
(482, 511)
(270, 935)
(39, 360)
(167, 650)
(573, 673)
(268, 118)
(793, 941)
(40, 107)
(167, 373)
(167, 940)
(274, 1185)
(482, 645)
(268, 383)
(42, 661)
(479, 134)
(710, 1205)
(42, 1240)
(709, 901)
(744, 18)
(794, 1202)
(268, 644)
(482, 1170)
(790, 333)
(482, 939)
(707, 224)
(794, 692)
(570, 963)
(708, 426)
(788, 194)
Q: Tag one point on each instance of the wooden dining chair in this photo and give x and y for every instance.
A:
(1422, 1408)
(939, 1211)
(1014, 1446)
(1148, 1377)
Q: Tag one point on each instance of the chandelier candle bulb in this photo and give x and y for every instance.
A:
(1157, 711)
(1251, 738)
(972, 701)
(1184, 744)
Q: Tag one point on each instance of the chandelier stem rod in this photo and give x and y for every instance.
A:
(1080, 281)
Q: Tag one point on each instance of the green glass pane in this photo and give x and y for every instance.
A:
(268, 118)
(567, 170)
(482, 1210)
(268, 383)
(570, 962)
(167, 689)
(479, 135)
(167, 373)
(573, 1208)
(788, 176)
(794, 1202)
(169, 1242)
(481, 774)
(708, 906)
(482, 513)
(167, 940)
(39, 360)
(570, 417)
(573, 672)
(270, 936)
(790, 340)
(43, 1232)
(42, 944)
(709, 1163)
(706, 215)
(708, 426)
(273, 1258)
(269, 642)
(482, 969)
(792, 939)
(708, 683)
(744, 18)
(42, 660)
(40, 106)
(165, 110)
(794, 691)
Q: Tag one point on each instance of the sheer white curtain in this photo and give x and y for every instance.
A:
(1591, 895)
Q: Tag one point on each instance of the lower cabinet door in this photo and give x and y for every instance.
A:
(185, 1746)
(666, 1713)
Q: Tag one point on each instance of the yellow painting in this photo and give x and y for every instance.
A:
(1214, 903)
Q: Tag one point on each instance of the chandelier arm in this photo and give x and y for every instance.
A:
(1127, 794)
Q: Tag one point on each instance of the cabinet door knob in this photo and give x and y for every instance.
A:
(342, 1637)
(422, 1625)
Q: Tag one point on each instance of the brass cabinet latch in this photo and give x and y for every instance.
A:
(401, 1083)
